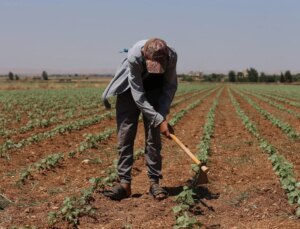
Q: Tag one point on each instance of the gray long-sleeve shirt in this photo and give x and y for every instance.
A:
(131, 74)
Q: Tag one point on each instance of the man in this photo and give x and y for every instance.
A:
(146, 82)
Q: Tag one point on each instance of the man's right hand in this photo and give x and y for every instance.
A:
(166, 129)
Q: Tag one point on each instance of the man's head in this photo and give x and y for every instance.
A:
(156, 53)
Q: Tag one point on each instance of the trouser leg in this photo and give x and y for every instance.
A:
(152, 151)
(153, 143)
(127, 122)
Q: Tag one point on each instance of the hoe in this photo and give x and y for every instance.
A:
(201, 175)
(4, 202)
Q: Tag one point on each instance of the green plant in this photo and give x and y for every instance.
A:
(25, 175)
(49, 162)
(71, 154)
(92, 140)
(71, 210)
(186, 197)
(186, 201)
(185, 221)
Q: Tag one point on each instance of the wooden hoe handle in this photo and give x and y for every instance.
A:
(188, 152)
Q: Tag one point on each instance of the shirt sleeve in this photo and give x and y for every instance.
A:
(137, 90)
(169, 88)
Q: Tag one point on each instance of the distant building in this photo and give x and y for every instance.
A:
(245, 73)
(195, 73)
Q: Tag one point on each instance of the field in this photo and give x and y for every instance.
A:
(58, 151)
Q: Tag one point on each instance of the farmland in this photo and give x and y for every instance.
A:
(58, 150)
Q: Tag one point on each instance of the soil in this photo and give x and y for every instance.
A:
(243, 192)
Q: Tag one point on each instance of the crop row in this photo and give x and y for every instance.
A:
(178, 101)
(179, 115)
(48, 163)
(286, 128)
(281, 166)
(290, 92)
(91, 141)
(46, 104)
(287, 94)
(187, 199)
(42, 123)
(284, 100)
(204, 145)
(61, 129)
(277, 105)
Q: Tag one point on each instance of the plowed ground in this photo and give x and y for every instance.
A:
(243, 191)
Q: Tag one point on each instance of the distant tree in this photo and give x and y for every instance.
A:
(44, 75)
(17, 77)
(231, 76)
(288, 76)
(188, 78)
(239, 76)
(271, 78)
(296, 77)
(262, 77)
(252, 75)
(11, 76)
(206, 77)
(214, 76)
(282, 78)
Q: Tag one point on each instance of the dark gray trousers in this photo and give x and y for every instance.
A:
(127, 123)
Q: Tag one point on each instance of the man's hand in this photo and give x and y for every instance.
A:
(106, 104)
(166, 129)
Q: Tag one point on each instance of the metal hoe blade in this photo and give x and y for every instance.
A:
(4, 202)
(199, 178)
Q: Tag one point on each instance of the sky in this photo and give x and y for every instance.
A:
(85, 36)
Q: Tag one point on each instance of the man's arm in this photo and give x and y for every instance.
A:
(137, 90)
(169, 89)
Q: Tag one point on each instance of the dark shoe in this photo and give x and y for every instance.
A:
(117, 192)
(158, 192)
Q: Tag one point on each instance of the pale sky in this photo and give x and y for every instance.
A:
(85, 36)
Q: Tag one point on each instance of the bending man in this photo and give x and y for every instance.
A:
(146, 82)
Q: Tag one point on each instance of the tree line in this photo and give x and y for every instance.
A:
(12, 76)
(249, 75)
(252, 75)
